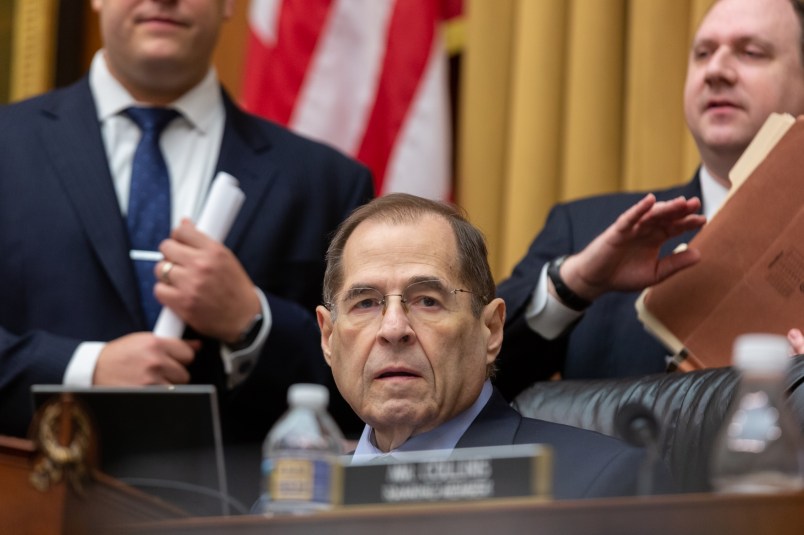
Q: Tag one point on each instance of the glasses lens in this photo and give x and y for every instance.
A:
(428, 300)
(425, 301)
(360, 305)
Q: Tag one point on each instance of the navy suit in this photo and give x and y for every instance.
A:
(66, 275)
(585, 464)
(608, 340)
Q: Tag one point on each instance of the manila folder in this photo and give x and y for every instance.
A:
(751, 274)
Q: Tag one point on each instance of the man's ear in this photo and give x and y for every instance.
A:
(324, 317)
(494, 321)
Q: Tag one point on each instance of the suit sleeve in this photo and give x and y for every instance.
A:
(32, 358)
(526, 356)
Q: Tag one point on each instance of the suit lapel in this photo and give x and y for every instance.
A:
(496, 424)
(244, 155)
(73, 144)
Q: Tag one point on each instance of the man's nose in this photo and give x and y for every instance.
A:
(720, 67)
(395, 327)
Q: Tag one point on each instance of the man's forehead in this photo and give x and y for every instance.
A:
(391, 245)
(767, 20)
(388, 236)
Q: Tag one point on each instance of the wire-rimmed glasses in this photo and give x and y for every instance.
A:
(425, 301)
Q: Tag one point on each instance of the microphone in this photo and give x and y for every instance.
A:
(638, 426)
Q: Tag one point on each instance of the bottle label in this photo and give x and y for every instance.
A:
(305, 480)
(755, 424)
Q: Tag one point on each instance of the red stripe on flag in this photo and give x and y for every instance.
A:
(451, 9)
(410, 39)
(271, 88)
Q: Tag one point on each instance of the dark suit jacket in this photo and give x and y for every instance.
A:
(65, 272)
(609, 340)
(585, 464)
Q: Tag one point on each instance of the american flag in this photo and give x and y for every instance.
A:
(366, 76)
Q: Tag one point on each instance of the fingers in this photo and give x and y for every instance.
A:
(687, 223)
(184, 244)
(179, 353)
(796, 339)
(632, 216)
(173, 373)
(180, 350)
(662, 220)
(649, 211)
(676, 262)
(187, 234)
(666, 212)
(168, 272)
(162, 271)
(144, 359)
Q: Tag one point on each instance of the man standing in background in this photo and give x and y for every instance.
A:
(571, 299)
(77, 307)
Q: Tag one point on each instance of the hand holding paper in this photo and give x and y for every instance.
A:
(219, 212)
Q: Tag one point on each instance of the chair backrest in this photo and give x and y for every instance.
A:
(689, 406)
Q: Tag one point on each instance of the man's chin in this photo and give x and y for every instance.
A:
(398, 413)
(728, 141)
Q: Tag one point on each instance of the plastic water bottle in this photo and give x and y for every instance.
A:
(299, 455)
(759, 447)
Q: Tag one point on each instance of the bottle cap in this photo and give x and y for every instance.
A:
(762, 352)
(308, 395)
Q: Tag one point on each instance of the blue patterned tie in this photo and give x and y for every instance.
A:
(148, 218)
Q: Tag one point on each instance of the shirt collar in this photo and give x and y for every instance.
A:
(442, 438)
(713, 193)
(197, 106)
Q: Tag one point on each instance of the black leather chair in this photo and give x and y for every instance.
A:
(690, 408)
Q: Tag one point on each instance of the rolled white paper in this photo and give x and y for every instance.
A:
(219, 212)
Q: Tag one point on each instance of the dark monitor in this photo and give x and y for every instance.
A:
(165, 441)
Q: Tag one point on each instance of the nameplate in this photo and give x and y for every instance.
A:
(460, 475)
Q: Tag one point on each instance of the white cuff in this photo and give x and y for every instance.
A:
(546, 315)
(81, 368)
(238, 364)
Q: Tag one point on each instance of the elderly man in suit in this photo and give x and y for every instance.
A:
(571, 298)
(411, 330)
(77, 306)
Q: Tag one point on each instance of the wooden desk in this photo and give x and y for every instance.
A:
(672, 515)
(102, 505)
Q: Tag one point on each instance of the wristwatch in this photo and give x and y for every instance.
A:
(567, 296)
(249, 334)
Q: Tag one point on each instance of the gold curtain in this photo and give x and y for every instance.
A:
(30, 47)
(561, 99)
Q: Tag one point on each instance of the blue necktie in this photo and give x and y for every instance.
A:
(148, 218)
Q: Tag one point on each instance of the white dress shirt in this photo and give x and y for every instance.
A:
(191, 146)
(440, 441)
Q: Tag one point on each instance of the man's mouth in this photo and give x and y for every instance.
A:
(389, 374)
(159, 19)
(720, 105)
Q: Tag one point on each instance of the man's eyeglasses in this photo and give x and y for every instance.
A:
(427, 301)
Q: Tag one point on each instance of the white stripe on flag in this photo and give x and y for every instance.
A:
(263, 18)
(339, 90)
(419, 162)
(337, 99)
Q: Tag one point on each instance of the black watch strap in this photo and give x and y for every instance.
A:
(248, 336)
(567, 296)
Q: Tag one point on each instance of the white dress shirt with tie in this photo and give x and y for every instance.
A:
(191, 145)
